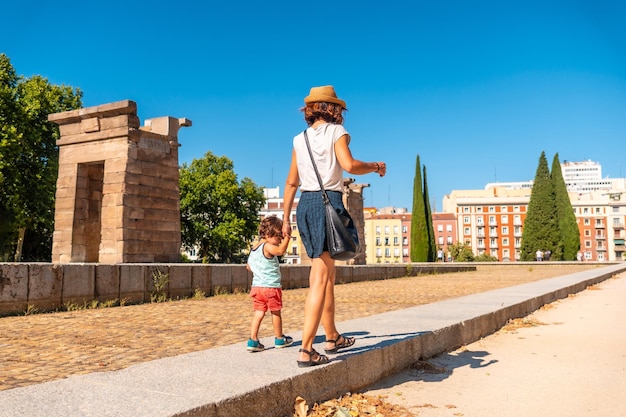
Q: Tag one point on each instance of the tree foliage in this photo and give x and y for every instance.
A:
(219, 214)
(461, 252)
(29, 161)
(423, 247)
(568, 227)
(432, 244)
(541, 225)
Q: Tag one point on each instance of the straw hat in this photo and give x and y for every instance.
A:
(324, 94)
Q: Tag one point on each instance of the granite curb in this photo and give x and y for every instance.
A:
(225, 381)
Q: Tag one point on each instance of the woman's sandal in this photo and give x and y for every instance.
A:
(345, 342)
(321, 359)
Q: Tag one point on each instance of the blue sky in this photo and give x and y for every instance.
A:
(477, 89)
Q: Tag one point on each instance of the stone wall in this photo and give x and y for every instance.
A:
(48, 287)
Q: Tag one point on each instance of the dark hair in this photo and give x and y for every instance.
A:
(328, 112)
(271, 226)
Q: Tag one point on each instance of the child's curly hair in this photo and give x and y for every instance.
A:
(271, 226)
(328, 112)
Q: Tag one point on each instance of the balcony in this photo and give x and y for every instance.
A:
(618, 226)
(600, 237)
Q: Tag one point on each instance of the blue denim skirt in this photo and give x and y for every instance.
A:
(311, 220)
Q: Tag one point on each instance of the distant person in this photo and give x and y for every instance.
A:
(266, 290)
(547, 255)
(579, 256)
(539, 255)
(440, 256)
(329, 141)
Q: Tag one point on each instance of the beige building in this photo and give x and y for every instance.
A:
(387, 237)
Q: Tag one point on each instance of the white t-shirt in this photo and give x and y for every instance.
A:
(322, 139)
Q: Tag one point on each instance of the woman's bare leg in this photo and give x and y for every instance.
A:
(319, 278)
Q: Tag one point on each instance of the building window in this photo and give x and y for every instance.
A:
(466, 219)
(448, 228)
(505, 241)
(449, 240)
(377, 240)
(479, 220)
(395, 241)
(405, 241)
(387, 253)
(504, 219)
(440, 240)
(440, 227)
(466, 231)
(395, 230)
(404, 229)
(377, 230)
(386, 230)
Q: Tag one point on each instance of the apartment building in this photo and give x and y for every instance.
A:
(445, 228)
(387, 237)
(601, 218)
(491, 221)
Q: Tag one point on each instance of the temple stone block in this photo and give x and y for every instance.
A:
(117, 192)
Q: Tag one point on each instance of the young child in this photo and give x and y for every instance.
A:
(266, 291)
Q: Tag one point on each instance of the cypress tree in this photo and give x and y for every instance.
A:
(419, 227)
(432, 245)
(540, 226)
(568, 227)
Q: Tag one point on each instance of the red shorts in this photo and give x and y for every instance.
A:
(264, 298)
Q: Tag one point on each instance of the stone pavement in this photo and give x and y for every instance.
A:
(40, 348)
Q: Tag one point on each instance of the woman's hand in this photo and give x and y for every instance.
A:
(381, 168)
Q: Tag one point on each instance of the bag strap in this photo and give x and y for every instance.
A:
(319, 178)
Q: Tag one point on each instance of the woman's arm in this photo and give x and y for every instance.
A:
(354, 166)
(291, 186)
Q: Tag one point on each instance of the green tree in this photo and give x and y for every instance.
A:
(461, 252)
(219, 214)
(29, 161)
(432, 245)
(420, 245)
(540, 226)
(568, 227)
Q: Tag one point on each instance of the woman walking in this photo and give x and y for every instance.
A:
(329, 141)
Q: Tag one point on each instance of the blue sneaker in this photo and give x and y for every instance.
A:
(282, 342)
(255, 346)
